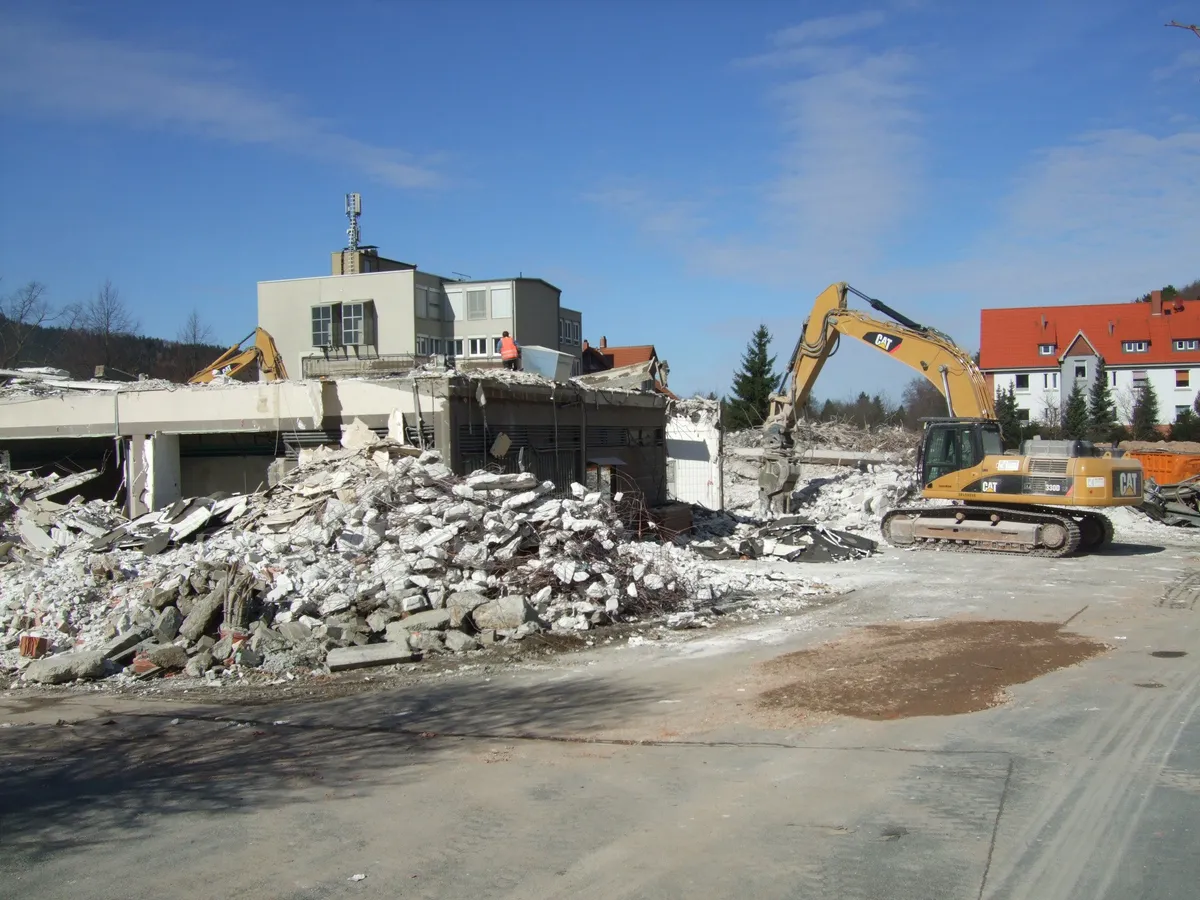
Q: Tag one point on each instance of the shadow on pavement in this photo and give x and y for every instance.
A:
(68, 786)
(1129, 550)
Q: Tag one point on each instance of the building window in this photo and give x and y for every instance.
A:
(1135, 346)
(1139, 377)
(1080, 372)
(576, 328)
(353, 324)
(1023, 415)
(1021, 382)
(1112, 378)
(1183, 378)
(476, 305)
(1192, 344)
(322, 326)
(562, 330)
(422, 345)
(454, 347)
(496, 346)
(1046, 349)
(1050, 380)
(502, 303)
(477, 347)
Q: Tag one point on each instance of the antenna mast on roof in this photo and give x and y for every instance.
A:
(353, 211)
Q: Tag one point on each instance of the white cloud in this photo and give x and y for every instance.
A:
(48, 69)
(1107, 216)
(848, 170)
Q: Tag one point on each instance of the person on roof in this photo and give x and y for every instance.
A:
(510, 352)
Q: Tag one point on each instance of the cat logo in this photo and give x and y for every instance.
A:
(989, 487)
(1129, 484)
(885, 342)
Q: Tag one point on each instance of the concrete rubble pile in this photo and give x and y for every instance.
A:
(855, 500)
(370, 554)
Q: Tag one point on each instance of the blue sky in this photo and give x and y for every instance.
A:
(682, 171)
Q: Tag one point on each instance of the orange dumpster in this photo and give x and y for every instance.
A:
(1167, 468)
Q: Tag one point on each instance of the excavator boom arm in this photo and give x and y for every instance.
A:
(235, 359)
(927, 351)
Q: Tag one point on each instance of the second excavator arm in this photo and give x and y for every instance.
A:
(235, 359)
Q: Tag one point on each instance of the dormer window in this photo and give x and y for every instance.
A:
(1135, 346)
(1046, 349)
(1192, 344)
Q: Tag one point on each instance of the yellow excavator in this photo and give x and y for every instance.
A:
(236, 359)
(1025, 503)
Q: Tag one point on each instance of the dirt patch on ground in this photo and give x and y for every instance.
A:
(930, 669)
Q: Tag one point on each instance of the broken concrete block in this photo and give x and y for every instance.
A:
(486, 481)
(506, 612)
(166, 626)
(122, 645)
(223, 648)
(458, 642)
(166, 656)
(388, 654)
(198, 665)
(461, 604)
(66, 667)
(654, 582)
(378, 620)
(294, 632)
(202, 614)
(335, 603)
(431, 620)
(426, 641)
(247, 656)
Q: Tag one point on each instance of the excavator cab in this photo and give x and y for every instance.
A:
(952, 445)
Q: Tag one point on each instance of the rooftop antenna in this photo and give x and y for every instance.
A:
(461, 276)
(353, 211)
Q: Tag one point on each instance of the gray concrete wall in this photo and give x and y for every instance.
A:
(285, 310)
(536, 312)
(203, 475)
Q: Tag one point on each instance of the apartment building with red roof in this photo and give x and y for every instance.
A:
(1043, 351)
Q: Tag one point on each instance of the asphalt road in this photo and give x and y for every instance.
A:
(648, 772)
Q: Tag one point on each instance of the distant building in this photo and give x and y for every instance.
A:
(1043, 351)
(375, 315)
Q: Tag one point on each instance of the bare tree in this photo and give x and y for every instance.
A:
(23, 313)
(106, 316)
(194, 334)
(195, 331)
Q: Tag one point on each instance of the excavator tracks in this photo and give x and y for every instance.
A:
(1026, 531)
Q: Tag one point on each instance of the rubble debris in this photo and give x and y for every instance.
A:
(364, 555)
(1173, 504)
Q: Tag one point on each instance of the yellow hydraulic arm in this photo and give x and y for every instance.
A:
(934, 355)
(235, 359)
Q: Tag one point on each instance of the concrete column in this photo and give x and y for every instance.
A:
(152, 473)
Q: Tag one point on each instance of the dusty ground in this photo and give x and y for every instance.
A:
(937, 669)
(648, 769)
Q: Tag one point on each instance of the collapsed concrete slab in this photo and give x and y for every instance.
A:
(390, 654)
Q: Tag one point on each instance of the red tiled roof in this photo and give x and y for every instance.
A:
(1009, 338)
(628, 356)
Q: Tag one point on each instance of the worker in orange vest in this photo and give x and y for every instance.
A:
(510, 353)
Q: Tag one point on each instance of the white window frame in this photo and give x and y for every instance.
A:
(454, 347)
(1049, 380)
(495, 344)
(481, 313)
(1135, 346)
(327, 325)
(503, 289)
(1185, 344)
(1140, 376)
(1046, 349)
(354, 336)
(1112, 377)
(1016, 386)
(1082, 377)
(473, 343)
(1180, 409)
(1187, 379)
